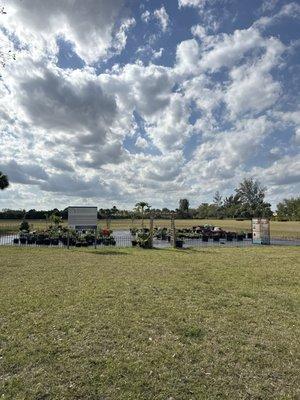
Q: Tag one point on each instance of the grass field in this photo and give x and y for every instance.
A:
(290, 229)
(149, 324)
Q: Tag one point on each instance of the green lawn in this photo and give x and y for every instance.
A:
(288, 229)
(137, 324)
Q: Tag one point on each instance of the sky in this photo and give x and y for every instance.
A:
(110, 102)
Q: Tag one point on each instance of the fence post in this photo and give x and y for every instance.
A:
(151, 232)
(95, 243)
(173, 231)
(68, 240)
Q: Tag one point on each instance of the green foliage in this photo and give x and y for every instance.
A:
(4, 183)
(248, 202)
(184, 207)
(289, 209)
(140, 207)
(143, 238)
(251, 192)
(24, 226)
(206, 210)
(55, 219)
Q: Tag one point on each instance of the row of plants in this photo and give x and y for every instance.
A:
(57, 234)
(142, 237)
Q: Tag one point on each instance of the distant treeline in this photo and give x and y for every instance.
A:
(248, 201)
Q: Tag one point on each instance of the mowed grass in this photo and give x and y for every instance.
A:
(124, 324)
(288, 229)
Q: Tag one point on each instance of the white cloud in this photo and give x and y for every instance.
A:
(171, 128)
(162, 16)
(187, 57)
(120, 38)
(90, 28)
(291, 118)
(280, 172)
(141, 143)
(225, 50)
(251, 91)
(192, 3)
(198, 30)
(146, 16)
(221, 94)
(157, 54)
(291, 10)
(223, 153)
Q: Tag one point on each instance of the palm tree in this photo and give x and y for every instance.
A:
(141, 207)
(3, 181)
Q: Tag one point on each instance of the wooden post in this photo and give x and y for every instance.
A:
(68, 240)
(95, 241)
(151, 232)
(173, 232)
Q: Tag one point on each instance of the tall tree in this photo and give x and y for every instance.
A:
(184, 205)
(218, 199)
(289, 209)
(3, 181)
(252, 195)
(251, 192)
(141, 206)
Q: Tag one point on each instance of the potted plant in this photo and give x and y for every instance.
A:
(46, 241)
(23, 238)
(31, 239)
(179, 243)
(54, 241)
(143, 239)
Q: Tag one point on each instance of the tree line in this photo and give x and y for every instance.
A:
(246, 202)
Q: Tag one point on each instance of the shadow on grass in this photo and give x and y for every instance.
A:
(107, 252)
(183, 250)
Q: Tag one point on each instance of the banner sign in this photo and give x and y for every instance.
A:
(82, 218)
(260, 231)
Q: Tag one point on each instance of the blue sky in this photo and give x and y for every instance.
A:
(112, 102)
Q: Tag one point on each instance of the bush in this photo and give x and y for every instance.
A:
(24, 226)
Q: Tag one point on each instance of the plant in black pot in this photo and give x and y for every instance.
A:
(47, 241)
(179, 243)
(54, 240)
(23, 239)
(90, 238)
(78, 242)
(240, 236)
(31, 239)
(40, 239)
(144, 239)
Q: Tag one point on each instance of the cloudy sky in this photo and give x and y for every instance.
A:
(109, 102)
